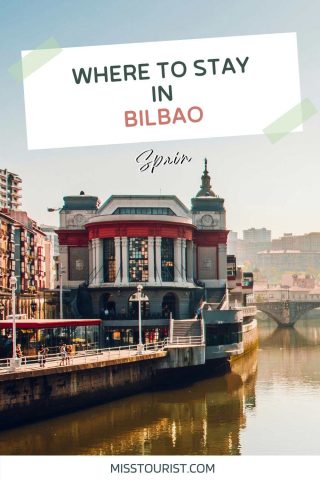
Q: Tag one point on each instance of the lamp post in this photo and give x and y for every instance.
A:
(61, 291)
(140, 347)
(13, 285)
(50, 210)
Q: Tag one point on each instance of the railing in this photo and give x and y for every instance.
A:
(223, 303)
(95, 354)
(249, 311)
(98, 354)
(180, 340)
(131, 316)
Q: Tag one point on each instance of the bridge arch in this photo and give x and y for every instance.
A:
(286, 314)
(271, 315)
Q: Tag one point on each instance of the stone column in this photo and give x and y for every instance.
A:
(151, 259)
(124, 242)
(99, 257)
(117, 246)
(158, 260)
(90, 276)
(189, 261)
(222, 259)
(93, 277)
(177, 260)
(195, 262)
(183, 260)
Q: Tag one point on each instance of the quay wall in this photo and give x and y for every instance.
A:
(30, 395)
(250, 336)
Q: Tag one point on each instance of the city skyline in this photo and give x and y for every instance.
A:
(240, 232)
(272, 185)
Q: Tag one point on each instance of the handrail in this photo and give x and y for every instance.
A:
(93, 354)
(96, 354)
(187, 340)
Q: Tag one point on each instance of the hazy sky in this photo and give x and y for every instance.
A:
(276, 186)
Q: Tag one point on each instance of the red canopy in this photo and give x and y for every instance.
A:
(51, 323)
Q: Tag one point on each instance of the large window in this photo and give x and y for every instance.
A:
(167, 265)
(109, 262)
(138, 259)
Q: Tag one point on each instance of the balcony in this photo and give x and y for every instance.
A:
(17, 184)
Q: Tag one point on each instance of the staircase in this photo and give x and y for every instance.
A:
(215, 295)
(186, 332)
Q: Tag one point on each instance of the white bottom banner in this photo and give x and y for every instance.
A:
(153, 467)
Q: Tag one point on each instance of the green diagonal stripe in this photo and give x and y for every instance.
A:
(290, 120)
(35, 59)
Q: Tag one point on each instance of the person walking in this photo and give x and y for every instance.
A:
(63, 353)
(69, 352)
(42, 355)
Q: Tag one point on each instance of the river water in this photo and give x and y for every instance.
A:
(268, 404)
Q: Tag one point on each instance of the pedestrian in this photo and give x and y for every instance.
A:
(18, 351)
(69, 351)
(63, 353)
(42, 355)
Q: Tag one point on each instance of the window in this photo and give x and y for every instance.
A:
(138, 259)
(109, 262)
(143, 211)
(223, 334)
(167, 260)
(78, 263)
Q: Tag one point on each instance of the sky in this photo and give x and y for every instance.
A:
(264, 185)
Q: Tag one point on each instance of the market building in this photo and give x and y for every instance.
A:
(177, 254)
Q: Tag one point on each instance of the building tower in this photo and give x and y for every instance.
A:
(210, 237)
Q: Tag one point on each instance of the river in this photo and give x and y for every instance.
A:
(268, 404)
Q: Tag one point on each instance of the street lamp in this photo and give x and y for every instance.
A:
(13, 285)
(61, 272)
(49, 209)
(53, 209)
(140, 347)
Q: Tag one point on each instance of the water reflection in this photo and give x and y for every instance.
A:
(290, 353)
(204, 418)
(287, 418)
(272, 409)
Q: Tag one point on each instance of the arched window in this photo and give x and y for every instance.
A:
(169, 305)
(107, 306)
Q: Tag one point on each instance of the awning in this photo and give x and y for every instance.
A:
(54, 323)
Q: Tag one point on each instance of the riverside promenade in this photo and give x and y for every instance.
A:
(31, 392)
(55, 361)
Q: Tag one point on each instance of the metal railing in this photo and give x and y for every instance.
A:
(187, 340)
(79, 357)
(93, 355)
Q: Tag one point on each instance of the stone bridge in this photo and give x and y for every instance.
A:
(287, 312)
